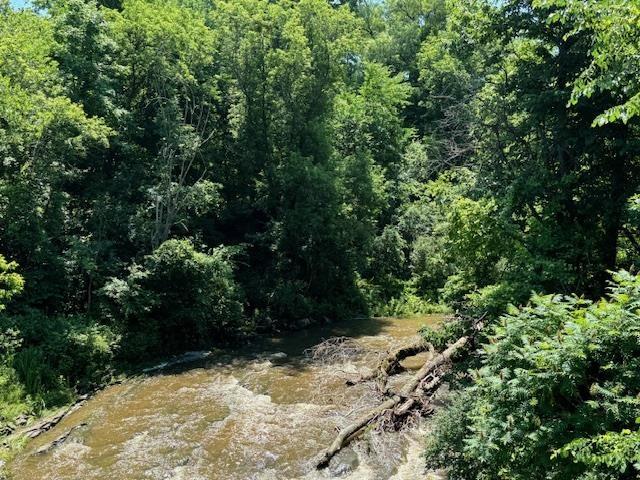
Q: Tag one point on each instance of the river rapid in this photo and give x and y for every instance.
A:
(263, 412)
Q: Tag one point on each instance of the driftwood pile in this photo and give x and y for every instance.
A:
(416, 394)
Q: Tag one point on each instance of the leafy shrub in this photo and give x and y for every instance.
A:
(45, 361)
(445, 333)
(406, 302)
(12, 395)
(13, 398)
(410, 303)
(178, 298)
(556, 397)
(611, 451)
(56, 353)
(493, 300)
(11, 283)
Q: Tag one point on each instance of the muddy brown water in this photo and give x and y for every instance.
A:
(245, 414)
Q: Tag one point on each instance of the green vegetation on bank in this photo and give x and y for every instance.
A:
(185, 173)
(555, 394)
(177, 299)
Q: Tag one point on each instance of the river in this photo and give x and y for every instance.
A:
(263, 412)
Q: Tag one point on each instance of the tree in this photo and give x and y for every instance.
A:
(11, 283)
(556, 181)
(177, 298)
(43, 137)
(613, 53)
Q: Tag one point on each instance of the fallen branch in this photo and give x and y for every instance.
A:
(58, 441)
(425, 389)
(335, 350)
(390, 364)
(402, 399)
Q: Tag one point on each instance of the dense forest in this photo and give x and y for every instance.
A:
(187, 173)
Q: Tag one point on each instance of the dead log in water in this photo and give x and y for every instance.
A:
(399, 403)
(390, 364)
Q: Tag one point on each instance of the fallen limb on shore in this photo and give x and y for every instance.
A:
(58, 441)
(399, 403)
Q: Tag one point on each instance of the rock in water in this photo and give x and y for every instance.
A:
(344, 462)
(277, 356)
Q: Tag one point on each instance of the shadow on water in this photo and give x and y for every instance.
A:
(293, 344)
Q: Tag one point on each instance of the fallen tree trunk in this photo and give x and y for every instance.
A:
(402, 401)
(426, 390)
(390, 364)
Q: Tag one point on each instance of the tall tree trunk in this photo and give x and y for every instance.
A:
(613, 216)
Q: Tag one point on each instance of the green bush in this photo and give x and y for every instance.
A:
(406, 302)
(56, 353)
(556, 397)
(493, 300)
(445, 332)
(13, 398)
(410, 303)
(11, 283)
(45, 361)
(12, 395)
(178, 298)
